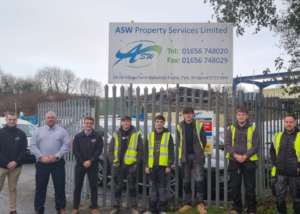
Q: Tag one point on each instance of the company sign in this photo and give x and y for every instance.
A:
(174, 53)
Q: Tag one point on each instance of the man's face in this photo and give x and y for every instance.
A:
(88, 125)
(242, 117)
(50, 119)
(11, 120)
(188, 116)
(289, 123)
(159, 124)
(126, 124)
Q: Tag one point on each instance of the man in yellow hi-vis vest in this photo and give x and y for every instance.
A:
(191, 154)
(285, 156)
(125, 153)
(158, 159)
(242, 145)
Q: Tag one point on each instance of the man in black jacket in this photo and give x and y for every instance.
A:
(158, 159)
(87, 147)
(191, 154)
(13, 145)
(286, 164)
(242, 145)
(125, 153)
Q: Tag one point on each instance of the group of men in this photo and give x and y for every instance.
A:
(49, 143)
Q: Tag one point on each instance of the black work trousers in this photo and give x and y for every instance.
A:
(42, 175)
(92, 173)
(158, 189)
(192, 166)
(246, 171)
(121, 173)
(280, 184)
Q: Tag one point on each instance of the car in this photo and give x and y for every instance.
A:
(26, 127)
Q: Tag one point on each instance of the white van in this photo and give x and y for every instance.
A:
(26, 127)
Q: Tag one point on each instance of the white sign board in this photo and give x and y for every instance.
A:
(206, 117)
(173, 53)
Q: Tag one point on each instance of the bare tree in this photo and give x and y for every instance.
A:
(90, 87)
(46, 76)
(126, 90)
(57, 78)
(6, 84)
(69, 81)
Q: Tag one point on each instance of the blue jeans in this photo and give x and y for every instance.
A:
(43, 171)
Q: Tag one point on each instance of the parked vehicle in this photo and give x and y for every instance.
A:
(26, 127)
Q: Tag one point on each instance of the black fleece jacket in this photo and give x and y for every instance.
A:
(87, 147)
(240, 141)
(111, 148)
(13, 145)
(157, 142)
(286, 162)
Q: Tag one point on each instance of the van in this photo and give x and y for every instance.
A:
(26, 127)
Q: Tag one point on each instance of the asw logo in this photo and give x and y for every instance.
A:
(139, 55)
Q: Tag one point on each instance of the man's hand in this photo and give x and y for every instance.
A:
(240, 158)
(52, 158)
(11, 165)
(243, 158)
(147, 170)
(45, 159)
(87, 163)
(298, 169)
(168, 170)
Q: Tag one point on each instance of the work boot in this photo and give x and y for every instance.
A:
(74, 212)
(134, 211)
(95, 211)
(115, 211)
(62, 211)
(233, 212)
(185, 208)
(201, 209)
(13, 212)
(148, 212)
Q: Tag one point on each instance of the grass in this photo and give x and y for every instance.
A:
(263, 207)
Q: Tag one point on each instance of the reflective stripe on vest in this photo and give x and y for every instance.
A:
(163, 151)
(276, 143)
(249, 141)
(198, 129)
(131, 152)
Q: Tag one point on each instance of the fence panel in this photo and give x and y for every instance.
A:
(266, 113)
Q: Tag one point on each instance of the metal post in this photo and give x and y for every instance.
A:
(209, 159)
(105, 146)
(225, 152)
(217, 149)
(145, 140)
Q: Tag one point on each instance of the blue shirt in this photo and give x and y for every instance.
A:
(47, 141)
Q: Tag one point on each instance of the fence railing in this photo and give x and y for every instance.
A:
(265, 113)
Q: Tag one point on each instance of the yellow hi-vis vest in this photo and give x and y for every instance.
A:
(130, 155)
(198, 129)
(276, 143)
(163, 151)
(249, 141)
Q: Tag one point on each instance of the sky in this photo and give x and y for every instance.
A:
(74, 34)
